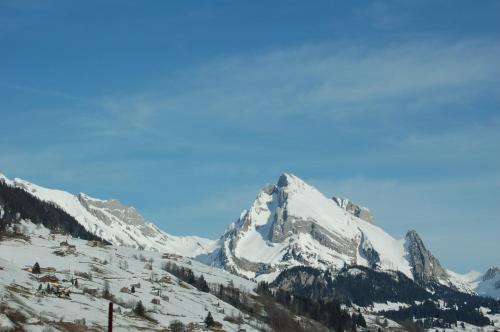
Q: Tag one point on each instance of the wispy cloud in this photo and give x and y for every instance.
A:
(329, 79)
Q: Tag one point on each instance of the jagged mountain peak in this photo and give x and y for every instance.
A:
(294, 224)
(491, 273)
(425, 267)
(290, 181)
(413, 236)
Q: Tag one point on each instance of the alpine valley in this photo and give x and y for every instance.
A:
(295, 260)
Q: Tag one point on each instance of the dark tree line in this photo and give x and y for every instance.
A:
(444, 318)
(279, 318)
(19, 204)
(187, 276)
(274, 302)
(366, 286)
(362, 288)
(466, 301)
(327, 312)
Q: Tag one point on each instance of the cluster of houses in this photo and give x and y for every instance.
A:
(65, 249)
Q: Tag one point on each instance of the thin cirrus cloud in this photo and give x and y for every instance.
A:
(385, 95)
(325, 79)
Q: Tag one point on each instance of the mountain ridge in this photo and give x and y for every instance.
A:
(289, 224)
(115, 222)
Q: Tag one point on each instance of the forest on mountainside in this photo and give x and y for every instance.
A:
(17, 204)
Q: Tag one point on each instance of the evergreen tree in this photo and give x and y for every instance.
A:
(177, 326)
(202, 285)
(360, 320)
(36, 268)
(139, 309)
(209, 320)
(190, 279)
(132, 289)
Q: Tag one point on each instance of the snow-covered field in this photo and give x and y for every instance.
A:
(175, 300)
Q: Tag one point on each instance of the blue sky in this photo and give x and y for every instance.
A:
(185, 109)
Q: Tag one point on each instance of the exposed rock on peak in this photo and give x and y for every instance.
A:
(355, 209)
(285, 179)
(106, 209)
(269, 188)
(291, 183)
(492, 272)
(425, 267)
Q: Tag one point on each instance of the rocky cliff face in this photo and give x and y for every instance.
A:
(425, 267)
(112, 211)
(357, 210)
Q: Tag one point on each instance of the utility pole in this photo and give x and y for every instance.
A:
(110, 317)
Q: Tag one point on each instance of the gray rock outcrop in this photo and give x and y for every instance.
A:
(355, 209)
(425, 267)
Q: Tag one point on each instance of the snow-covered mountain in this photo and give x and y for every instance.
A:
(489, 283)
(290, 223)
(115, 222)
(293, 224)
(484, 284)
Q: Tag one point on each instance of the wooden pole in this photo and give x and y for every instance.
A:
(110, 317)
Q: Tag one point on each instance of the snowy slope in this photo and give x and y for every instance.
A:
(178, 300)
(485, 284)
(489, 283)
(116, 223)
(293, 224)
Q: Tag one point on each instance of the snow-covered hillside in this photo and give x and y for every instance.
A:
(115, 222)
(484, 284)
(164, 296)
